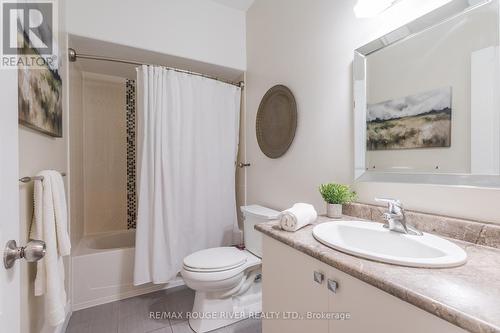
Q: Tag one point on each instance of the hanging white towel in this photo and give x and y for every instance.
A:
(51, 226)
(298, 216)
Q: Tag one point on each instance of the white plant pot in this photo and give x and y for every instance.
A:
(334, 211)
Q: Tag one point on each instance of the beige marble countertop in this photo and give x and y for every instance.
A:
(467, 296)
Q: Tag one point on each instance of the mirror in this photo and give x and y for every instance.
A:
(427, 99)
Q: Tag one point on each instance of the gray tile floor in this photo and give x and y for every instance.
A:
(132, 315)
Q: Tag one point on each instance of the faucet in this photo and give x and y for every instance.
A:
(396, 219)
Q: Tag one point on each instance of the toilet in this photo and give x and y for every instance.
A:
(227, 280)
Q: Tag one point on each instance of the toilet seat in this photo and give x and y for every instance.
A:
(216, 259)
(197, 275)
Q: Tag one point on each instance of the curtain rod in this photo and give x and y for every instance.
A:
(73, 56)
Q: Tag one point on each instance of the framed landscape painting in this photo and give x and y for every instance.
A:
(417, 121)
(40, 99)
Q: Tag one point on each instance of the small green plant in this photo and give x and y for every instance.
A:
(337, 193)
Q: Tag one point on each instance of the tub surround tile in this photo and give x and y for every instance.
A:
(130, 115)
(104, 152)
(466, 296)
(461, 229)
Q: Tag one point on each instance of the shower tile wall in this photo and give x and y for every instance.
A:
(76, 154)
(108, 180)
(104, 153)
(131, 159)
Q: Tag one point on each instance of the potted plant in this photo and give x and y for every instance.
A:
(335, 196)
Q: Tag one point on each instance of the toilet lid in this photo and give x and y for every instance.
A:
(215, 259)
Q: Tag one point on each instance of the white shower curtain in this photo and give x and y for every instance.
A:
(187, 139)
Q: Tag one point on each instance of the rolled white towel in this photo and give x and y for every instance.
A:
(298, 216)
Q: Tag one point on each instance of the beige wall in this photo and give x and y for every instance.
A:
(36, 152)
(39, 152)
(104, 154)
(426, 62)
(308, 46)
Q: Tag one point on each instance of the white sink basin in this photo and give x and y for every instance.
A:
(372, 241)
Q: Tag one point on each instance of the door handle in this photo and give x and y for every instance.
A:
(33, 251)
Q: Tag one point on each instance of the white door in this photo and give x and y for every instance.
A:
(10, 280)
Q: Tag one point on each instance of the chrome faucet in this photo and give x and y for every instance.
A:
(396, 219)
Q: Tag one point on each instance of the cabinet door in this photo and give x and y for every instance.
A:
(288, 288)
(373, 310)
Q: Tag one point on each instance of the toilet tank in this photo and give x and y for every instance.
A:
(252, 215)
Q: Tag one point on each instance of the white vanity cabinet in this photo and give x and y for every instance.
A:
(292, 286)
(288, 286)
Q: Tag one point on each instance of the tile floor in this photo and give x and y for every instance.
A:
(132, 315)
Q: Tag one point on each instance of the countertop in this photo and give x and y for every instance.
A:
(467, 296)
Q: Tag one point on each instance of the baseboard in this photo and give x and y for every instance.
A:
(132, 293)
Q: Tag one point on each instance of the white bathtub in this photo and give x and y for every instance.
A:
(103, 269)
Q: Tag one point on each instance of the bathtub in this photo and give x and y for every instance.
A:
(103, 270)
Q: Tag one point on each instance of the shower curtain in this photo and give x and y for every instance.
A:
(187, 140)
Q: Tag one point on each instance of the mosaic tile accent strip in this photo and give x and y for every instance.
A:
(131, 157)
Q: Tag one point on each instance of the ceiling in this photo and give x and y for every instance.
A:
(242, 5)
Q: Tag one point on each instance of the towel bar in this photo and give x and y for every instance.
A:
(29, 179)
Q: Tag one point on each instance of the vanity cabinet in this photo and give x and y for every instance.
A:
(301, 294)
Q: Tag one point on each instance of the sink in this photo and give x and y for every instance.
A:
(371, 240)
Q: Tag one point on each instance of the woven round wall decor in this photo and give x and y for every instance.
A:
(276, 121)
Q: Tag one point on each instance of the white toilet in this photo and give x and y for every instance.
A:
(227, 279)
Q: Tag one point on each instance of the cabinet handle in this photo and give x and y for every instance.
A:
(319, 277)
(332, 285)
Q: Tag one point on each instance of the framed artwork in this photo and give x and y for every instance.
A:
(40, 98)
(417, 121)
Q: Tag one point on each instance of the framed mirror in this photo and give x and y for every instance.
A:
(427, 99)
